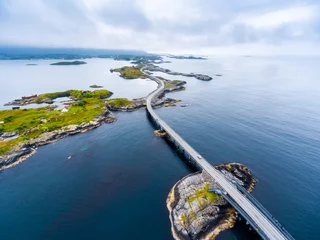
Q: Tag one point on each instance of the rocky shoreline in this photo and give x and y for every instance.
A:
(195, 212)
(38, 99)
(23, 151)
(154, 68)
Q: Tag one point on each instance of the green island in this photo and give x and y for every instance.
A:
(172, 84)
(119, 102)
(27, 124)
(130, 72)
(49, 97)
(69, 63)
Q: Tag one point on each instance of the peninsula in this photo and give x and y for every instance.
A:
(197, 213)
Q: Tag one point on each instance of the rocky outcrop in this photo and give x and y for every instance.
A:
(8, 135)
(154, 68)
(197, 213)
(23, 151)
(160, 133)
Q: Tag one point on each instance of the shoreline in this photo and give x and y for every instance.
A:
(201, 218)
(23, 151)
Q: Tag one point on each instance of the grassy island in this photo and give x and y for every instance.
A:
(69, 63)
(130, 72)
(172, 84)
(75, 94)
(27, 124)
(119, 102)
(49, 97)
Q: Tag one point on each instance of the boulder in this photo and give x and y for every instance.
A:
(8, 134)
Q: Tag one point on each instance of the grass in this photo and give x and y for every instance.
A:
(203, 193)
(171, 84)
(130, 72)
(119, 102)
(102, 93)
(27, 122)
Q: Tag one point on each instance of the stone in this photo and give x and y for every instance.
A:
(8, 134)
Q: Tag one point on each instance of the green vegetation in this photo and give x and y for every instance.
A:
(69, 63)
(31, 123)
(130, 72)
(171, 84)
(203, 193)
(77, 94)
(119, 102)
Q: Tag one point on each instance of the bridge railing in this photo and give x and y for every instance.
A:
(241, 211)
(263, 209)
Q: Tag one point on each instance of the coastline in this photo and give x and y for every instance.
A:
(211, 218)
(23, 151)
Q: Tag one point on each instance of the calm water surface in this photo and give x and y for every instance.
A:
(263, 112)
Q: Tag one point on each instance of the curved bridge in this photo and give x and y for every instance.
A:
(267, 227)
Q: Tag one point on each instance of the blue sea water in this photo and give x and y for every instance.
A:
(263, 112)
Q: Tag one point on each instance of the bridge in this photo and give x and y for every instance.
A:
(266, 226)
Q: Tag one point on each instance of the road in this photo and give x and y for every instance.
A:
(268, 228)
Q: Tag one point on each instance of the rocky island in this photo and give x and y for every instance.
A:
(154, 68)
(95, 86)
(197, 213)
(68, 63)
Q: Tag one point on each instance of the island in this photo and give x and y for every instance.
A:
(154, 68)
(186, 57)
(31, 64)
(68, 63)
(49, 97)
(95, 86)
(197, 213)
(130, 72)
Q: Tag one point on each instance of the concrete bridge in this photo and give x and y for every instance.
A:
(266, 226)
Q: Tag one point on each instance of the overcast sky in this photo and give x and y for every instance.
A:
(171, 26)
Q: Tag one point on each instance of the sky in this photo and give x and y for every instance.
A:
(202, 27)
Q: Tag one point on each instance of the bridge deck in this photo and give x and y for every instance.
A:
(267, 228)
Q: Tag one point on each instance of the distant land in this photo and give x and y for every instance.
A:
(186, 57)
(32, 53)
(69, 63)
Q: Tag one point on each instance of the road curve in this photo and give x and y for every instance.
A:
(268, 228)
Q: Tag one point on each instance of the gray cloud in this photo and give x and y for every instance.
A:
(164, 25)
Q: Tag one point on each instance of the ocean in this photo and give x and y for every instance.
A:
(262, 112)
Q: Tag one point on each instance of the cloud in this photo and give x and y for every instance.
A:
(162, 26)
